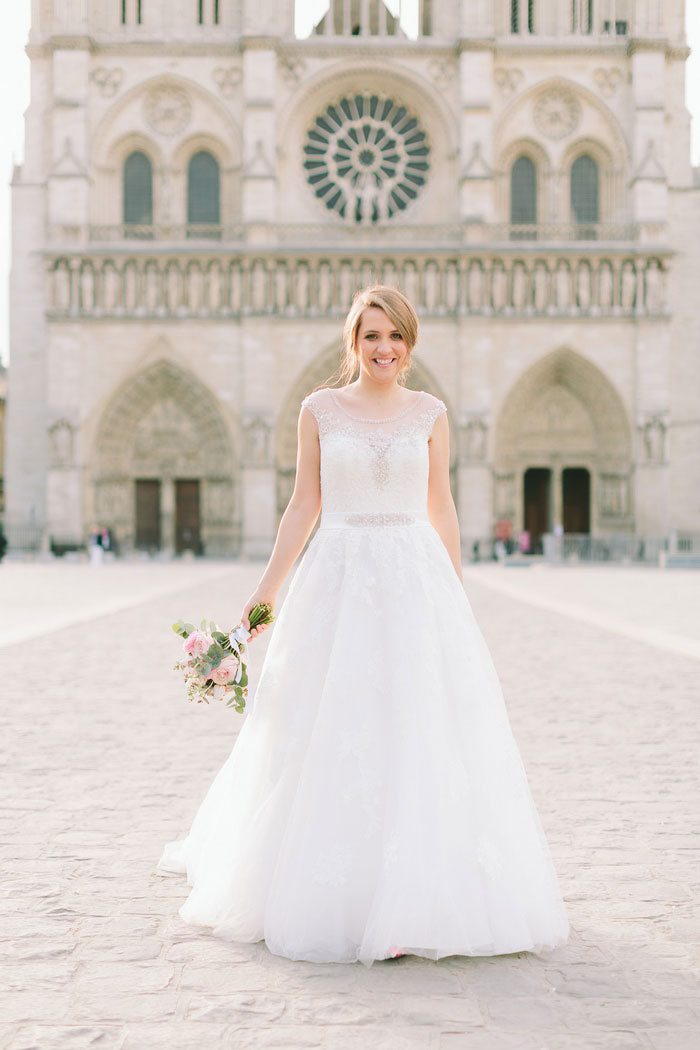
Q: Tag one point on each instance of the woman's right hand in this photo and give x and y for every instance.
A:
(257, 598)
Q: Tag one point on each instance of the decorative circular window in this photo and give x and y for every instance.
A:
(366, 158)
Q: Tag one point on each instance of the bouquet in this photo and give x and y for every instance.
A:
(215, 664)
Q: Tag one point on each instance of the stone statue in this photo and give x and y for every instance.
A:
(519, 287)
(281, 283)
(498, 286)
(61, 444)
(541, 288)
(654, 434)
(606, 286)
(110, 288)
(430, 286)
(628, 290)
(130, 287)
(583, 287)
(346, 285)
(259, 287)
(476, 286)
(324, 287)
(563, 287)
(87, 288)
(654, 287)
(152, 290)
(301, 280)
(214, 288)
(473, 440)
(257, 442)
(410, 281)
(451, 287)
(173, 288)
(235, 287)
(194, 287)
(61, 287)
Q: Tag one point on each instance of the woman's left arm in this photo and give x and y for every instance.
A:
(441, 507)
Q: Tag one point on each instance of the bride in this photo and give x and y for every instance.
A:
(375, 803)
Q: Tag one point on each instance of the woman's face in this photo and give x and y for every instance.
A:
(380, 346)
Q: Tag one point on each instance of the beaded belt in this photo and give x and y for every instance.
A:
(341, 519)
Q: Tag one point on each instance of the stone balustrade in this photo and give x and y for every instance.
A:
(546, 283)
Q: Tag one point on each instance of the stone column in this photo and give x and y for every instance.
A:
(167, 516)
(259, 485)
(557, 497)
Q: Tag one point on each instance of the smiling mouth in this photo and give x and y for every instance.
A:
(383, 360)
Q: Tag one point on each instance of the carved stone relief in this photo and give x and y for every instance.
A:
(608, 80)
(508, 80)
(107, 80)
(167, 110)
(653, 439)
(557, 113)
(61, 444)
(443, 72)
(257, 436)
(227, 80)
(473, 432)
(613, 495)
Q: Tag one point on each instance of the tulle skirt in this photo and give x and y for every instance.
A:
(375, 798)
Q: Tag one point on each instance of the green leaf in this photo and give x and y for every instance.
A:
(189, 627)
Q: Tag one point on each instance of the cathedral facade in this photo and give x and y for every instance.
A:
(206, 184)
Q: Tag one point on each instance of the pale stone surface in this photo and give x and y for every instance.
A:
(112, 762)
(130, 347)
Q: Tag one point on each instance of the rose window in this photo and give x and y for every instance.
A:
(366, 158)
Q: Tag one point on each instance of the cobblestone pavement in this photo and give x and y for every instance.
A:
(106, 761)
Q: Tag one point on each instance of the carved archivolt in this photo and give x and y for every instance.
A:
(563, 405)
(163, 422)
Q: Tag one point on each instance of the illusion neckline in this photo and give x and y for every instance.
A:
(385, 419)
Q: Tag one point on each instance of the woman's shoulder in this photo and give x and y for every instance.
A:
(317, 400)
(433, 404)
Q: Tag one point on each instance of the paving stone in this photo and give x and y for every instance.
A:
(675, 1038)
(94, 950)
(119, 1007)
(68, 1037)
(280, 1037)
(239, 1008)
(175, 1035)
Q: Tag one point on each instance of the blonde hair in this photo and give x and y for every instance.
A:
(399, 311)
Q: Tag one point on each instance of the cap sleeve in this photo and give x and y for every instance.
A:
(316, 402)
(434, 408)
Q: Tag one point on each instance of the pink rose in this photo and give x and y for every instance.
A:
(226, 671)
(197, 643)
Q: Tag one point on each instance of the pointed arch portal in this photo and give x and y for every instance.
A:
(563, 448)
(163, 476)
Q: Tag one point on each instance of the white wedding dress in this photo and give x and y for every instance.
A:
(375, 797)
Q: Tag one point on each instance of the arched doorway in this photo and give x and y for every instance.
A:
(562, 434)
(163, 475)
(320, 373)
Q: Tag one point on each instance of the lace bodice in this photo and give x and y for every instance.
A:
(374, 466)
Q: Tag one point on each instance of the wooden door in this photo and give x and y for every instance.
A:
(148, 513)
(536, 495)
(187, 537)
(576, 500)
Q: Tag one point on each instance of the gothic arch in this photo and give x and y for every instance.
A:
(318, 373)
(563, 413)
(135, 117)
(164, 424)
(594, 128)
(602, 426)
